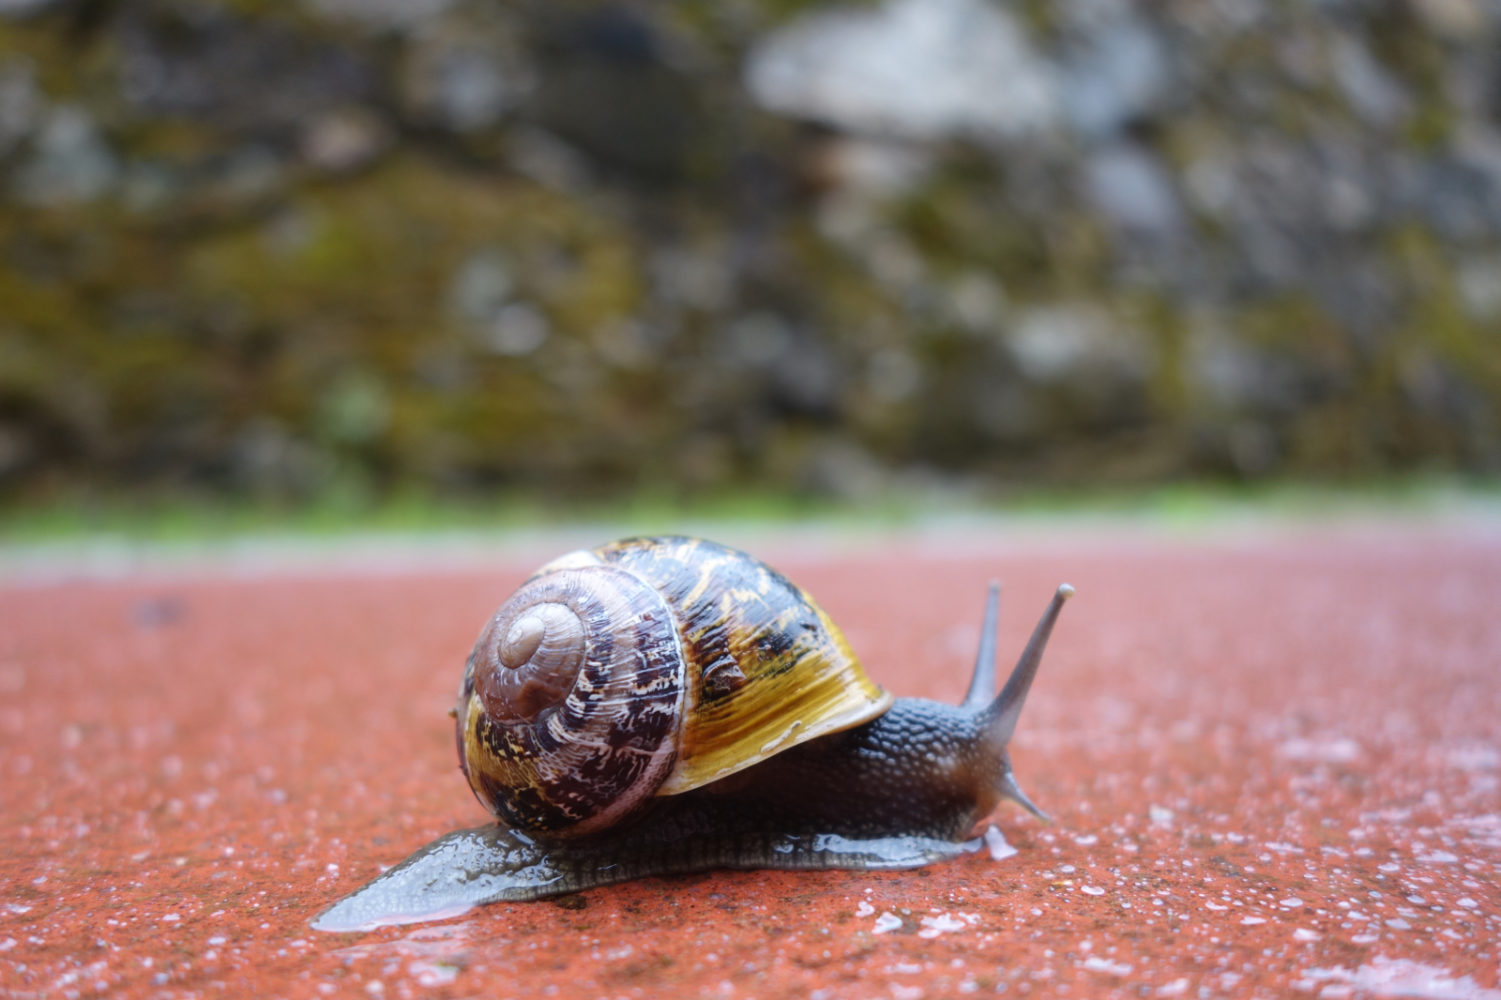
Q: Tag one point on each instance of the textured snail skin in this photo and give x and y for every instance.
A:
(902, 790)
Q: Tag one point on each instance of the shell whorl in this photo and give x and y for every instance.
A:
(535, 657)
(571, 703)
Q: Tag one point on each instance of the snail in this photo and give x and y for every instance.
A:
(667, 705)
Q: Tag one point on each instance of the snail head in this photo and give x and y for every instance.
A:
(998, 716)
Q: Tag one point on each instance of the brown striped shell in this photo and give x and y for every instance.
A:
(646, 667)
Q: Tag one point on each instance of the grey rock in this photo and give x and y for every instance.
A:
(23, 8)
(691, 276)
(895, 263)
(470, 91)
(1210, 182)
(290, 231)
(345, 139)
(1458, 20)
(1078, 345)
(70, 162)
(1286, 203)
(977, 302)
(1009, 411)
(799, 371)
(626, 342)
(1218, 365)
(245, 175)
(1478, 146)
(1133, 189)
(380, 14)
(892, 374)
(914, 69)
(548, 160)
(516, 330)
(1252, 447)
(1230, 376)
(481, 288)
(265, 457)
(755, 341)
(808, 379)
(1479, 281)
(1051, 342)
(1357, 291)
(240, 74)
(877, 168)
(20, 101)
(149, 187)
(1372, 92)
(1224, 20)
(1470, 83)
(1461, 200)
(838, 467)
(466, 77)
(1350, 193)
(1115, 74)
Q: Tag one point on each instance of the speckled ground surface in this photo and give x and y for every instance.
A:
(1273, 764)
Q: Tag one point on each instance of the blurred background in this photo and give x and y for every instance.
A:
(270, 254)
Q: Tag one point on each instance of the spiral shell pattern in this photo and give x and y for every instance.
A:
(568, 720)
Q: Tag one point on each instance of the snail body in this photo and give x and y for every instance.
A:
(666, 705)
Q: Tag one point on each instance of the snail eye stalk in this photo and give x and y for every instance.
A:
(982, 684)
(1001, 715)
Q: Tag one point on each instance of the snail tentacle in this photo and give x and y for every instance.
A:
(1002, 714)
(982, 683)
(1000, 717)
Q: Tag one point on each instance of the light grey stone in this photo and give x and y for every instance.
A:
(1118, 72)
(517, 329)
(464, 77)
(380, 14)
(916, 69)
(1479, 281)
(1077, 342)
(20, 101)
(345, 139)
(1134, 190)
(892, 374)
(692, 276)
(1371, 90)
(756, 340)
(70, 163)
(22, 8)
(481, 288)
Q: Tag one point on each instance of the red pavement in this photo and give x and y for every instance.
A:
(1274, 767)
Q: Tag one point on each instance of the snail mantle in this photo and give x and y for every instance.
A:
(660, 706)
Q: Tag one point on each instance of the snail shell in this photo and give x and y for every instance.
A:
(668, 705)
(646, 667)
